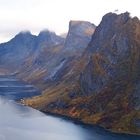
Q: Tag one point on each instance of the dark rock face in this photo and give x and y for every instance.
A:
(113, 51)
(135, 99)
(113, 70)
(90, 81)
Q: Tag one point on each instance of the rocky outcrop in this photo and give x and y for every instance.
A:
(79, 35)
(47, 38)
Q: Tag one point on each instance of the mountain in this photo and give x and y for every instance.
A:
(23, 46)
(78, 36)
(47, 38)
(101, 86)
(14, 52)
(43, 59)
(50, 64)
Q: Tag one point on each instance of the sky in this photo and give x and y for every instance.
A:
(36, 15)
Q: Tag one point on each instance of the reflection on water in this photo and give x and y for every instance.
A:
(22, 123)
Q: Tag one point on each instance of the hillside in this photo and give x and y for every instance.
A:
(102, 85)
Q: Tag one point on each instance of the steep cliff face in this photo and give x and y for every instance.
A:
(113, 52)
(113, 71)
(79, 35)
(107, 79)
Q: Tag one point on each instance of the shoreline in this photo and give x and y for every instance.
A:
(79, 122)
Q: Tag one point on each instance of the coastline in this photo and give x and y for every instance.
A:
(79, 122)
(84, 124)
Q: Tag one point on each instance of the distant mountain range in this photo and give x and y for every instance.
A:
(92, 74)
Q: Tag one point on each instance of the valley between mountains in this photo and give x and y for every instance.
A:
(92, 74)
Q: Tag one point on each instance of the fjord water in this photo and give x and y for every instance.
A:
(18, 122)
(16, 89)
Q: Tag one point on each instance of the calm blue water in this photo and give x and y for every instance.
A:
(18, 122)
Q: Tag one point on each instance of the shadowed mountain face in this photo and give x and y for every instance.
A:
(102, 86)
(24, 46)
(113, 72)
(14, 52)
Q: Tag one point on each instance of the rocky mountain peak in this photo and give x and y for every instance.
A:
(49, 38)
(112, 25)
(81, 27)
(79, 35)
(23, 37)
(123, 17)
(46, 33)
(24, 33)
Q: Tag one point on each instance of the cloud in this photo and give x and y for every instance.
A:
(55, 14)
